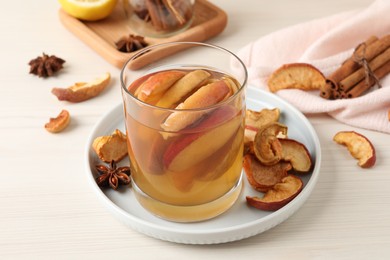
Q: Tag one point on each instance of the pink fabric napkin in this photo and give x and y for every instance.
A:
(325, 43)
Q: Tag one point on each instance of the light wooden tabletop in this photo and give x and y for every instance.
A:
(48, 209)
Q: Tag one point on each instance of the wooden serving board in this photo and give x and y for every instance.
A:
(209, 20)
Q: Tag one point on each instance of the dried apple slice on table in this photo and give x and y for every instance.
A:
(279, 195)
(359, 147)
(59, 123)
(296, 75)
(82, 91)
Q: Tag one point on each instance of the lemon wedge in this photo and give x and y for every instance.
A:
(89, 10)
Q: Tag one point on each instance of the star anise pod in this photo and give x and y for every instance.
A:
(45, 65)
(131, 43)
(112, 175)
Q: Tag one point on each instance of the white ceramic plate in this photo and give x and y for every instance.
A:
(237, 223)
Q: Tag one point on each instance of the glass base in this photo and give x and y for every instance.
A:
(189, 213)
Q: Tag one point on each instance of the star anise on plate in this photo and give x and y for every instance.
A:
(45, 65)
(112, 175)
(131, 43)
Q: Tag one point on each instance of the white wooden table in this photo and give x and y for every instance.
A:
(48, 210)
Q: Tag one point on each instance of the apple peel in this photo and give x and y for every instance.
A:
(82, 91)
(359, 146)
(279, 195)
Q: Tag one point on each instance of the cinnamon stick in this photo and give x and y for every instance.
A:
(174, 12)
(350, 81)
(350, 65)
(371, 48)
(154, 13)
(346, 68)
(362, 86)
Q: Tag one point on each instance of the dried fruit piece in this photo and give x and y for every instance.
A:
(111, 147)
(155, 86)
(254, 120)
(280, 194)
(182, 88)
(297, 154)
(206, 96)
(296, 75)
(266, 145)
(82, 91)
(262, 177)
(131, 43)
(59, 123)
(359, 147)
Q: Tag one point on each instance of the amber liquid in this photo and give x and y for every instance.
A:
(204, 177)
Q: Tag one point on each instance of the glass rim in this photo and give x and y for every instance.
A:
(146, 49)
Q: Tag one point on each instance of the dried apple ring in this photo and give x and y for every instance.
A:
(266, 145)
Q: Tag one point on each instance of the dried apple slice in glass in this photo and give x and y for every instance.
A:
(152, 89)
(210, 135)
(182, 88)
(205, 96)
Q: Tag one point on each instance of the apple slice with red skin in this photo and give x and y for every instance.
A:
(359, 147)
(279, 195)
(155, 86)
(205, 96)
(182, 88)
(262, 177)
(135, 86)
(207, 137)
(297, 154)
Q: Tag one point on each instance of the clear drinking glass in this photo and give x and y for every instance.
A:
(160, 18)
(186, 157)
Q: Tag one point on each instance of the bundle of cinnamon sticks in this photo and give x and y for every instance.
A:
(164, 15)
(368, 64)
